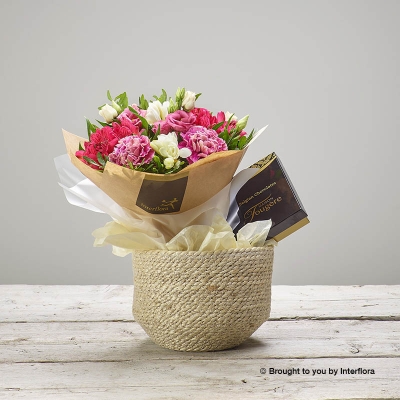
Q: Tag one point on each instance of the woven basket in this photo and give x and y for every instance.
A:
(202, 301)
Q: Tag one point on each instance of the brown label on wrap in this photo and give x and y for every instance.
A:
(161, 197)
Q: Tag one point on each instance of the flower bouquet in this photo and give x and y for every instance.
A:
(163, 169)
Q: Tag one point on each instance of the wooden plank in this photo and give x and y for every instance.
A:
(25, 303)
(124, 341)
(31, 303)
(199, 379)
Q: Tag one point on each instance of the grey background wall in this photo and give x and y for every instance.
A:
(323, 74)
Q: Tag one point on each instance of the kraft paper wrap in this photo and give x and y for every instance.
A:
(200, 223)
(205, 178)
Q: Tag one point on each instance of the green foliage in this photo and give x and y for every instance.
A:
(90, 127)
(122, 100)
(173, 106)
(142, 120)
(103, 123)
(179, 96)
(143, 103)
(216, 126)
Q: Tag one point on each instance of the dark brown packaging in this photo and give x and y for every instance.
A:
(269, 194)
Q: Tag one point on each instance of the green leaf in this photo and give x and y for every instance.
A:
(143, 103)
(224, 135)
(163, 96)
(179, 96)
(90, 161)
(250, 136)
(143, 120)
(216, 126)
(233, 144)
(109, 96)
(99, 108)
(172, 106)
(242, 142)
(122, 100)
(197, 95)
(229, 120)
(80, 146)
(103, 123)
(100, 159)
(90, 127)
(232, 137)
(157, 161)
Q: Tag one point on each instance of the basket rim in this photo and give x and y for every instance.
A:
(197, 252)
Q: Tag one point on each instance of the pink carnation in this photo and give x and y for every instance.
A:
(132, 149)
(204, 117)
(202, 142)
(90, 152)
(125, 128)
(101, 141)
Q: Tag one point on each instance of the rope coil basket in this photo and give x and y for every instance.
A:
(202, 301)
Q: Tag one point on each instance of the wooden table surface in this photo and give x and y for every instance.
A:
(70, 342)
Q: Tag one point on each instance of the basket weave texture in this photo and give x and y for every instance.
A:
(202, 301)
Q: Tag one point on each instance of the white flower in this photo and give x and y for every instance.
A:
(189, 100)
(167, 146)
(108, 113)
(169, 163)
(157, 111)
(229, 115)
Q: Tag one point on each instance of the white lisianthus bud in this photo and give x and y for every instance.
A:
(157, 111)
(116, 107)
(108, 113)
(189, 100)
(169, 163)
(229, 115)
(241, 124)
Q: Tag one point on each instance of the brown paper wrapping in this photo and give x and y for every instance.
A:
(146, 193)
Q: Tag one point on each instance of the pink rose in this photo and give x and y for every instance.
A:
(202, 142)
(165, 128)
(180, 121)
(132, 149)
(128, 115)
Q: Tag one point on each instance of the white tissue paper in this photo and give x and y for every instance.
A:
(204, 228)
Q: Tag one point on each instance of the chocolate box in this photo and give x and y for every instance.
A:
(270, 194)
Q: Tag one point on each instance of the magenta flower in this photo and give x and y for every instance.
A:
(164, 127)
(201, 142)
(132, 149)
(127, 117)
(180, 121)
